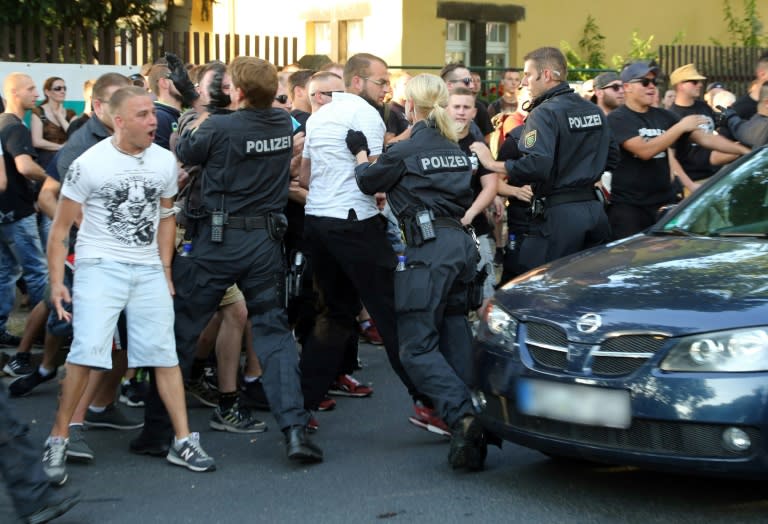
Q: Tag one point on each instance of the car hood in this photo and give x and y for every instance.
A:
(662, 284)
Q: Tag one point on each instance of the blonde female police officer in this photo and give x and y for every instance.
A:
(427, 181)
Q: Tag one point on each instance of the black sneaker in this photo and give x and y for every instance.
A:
(236, 420)
(55, 505)
(19, 365)
(110, 418)
(9, 341)
(253, 395)
(134, 393)
(24, 385)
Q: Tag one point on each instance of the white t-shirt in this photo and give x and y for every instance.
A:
(333, 190)
(120, 195)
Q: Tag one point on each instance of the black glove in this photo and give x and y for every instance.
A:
(727, 117)
(181, 80)
(217, 98)
(357, 142)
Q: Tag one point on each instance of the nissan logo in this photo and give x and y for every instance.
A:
(589, 323)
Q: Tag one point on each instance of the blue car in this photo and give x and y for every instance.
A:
(651, 351)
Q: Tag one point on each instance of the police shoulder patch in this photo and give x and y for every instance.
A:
(530, 139)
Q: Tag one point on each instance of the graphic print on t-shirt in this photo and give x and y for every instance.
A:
(132, 203)
(647, 134)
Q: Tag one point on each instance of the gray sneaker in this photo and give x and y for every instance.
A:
(191, 455)
(78, 448)
(236, 420)
(110, 418)
(55, 460)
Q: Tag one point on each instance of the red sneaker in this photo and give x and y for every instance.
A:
(327, 404)
(371, 334)
(312, 425)
(427, 419)
(347, 386)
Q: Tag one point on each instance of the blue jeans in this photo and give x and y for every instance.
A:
(21, 251)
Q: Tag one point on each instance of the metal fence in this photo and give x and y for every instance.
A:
(110, 47)
(733, 66)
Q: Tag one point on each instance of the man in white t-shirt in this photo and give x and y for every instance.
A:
(351, 257)
(124, 188)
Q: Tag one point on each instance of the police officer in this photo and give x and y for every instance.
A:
(427, 180)
(566, 145)
(245, 157)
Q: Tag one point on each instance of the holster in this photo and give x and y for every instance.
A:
(475, 289)
(277, 225)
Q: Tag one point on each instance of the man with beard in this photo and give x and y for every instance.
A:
(609, 91)
(352, 259)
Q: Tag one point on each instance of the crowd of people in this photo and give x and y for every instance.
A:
(230, 233)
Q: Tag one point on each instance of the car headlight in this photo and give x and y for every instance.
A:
(735, 350)
(498, 327)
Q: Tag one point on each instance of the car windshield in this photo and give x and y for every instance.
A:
(735, 205)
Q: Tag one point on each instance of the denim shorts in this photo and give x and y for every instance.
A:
(102, 289)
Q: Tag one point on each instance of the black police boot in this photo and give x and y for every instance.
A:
(54, 505)
(153, 445)
(299, 447)
(468, 444)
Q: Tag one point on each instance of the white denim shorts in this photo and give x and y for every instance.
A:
(102, 289)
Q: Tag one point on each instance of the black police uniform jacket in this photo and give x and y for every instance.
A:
(565, 144)
(246, 160)
(425, 171)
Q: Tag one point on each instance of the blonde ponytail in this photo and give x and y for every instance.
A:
(430, 99)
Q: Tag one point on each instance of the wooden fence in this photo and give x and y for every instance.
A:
(733, 66)
(110, 47)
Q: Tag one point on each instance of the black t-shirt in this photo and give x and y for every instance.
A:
(692, 157)
(301, 117)
(480, 222)
(518, 212)
(745, 107)
(482, 119)
(18, 200)
(635, 181)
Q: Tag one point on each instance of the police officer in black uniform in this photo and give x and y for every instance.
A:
(245, 157)
(427, 180)
(566, 145)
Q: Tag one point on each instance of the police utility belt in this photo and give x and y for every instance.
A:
(421, 227)
(276, 224)
(541, 204)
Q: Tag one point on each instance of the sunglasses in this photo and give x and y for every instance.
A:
(615, 87)
(695, 81)
(645, 82)
(466, 81)
(329, 94)
(282, 98)
(59, 88)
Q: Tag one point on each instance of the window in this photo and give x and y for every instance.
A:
(496, 47)
(457, 42)
(322, 38)
(355, 38)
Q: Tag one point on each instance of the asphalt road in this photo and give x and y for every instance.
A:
(378, 468)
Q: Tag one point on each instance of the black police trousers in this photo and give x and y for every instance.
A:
(432, 327)
(352, 261)
(255, 263)
(20, 464)
(565, 229)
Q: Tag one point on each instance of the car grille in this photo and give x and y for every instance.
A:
(650, 436)
(615, 357)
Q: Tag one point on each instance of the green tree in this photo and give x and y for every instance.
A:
(590, 53)
(94, 14)
(745, 30)
(639, 49)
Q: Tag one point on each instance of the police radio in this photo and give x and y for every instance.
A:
(218, 220)
(427, 228)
